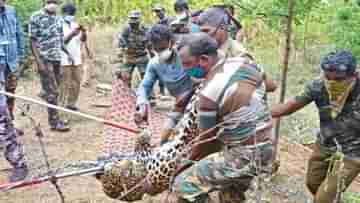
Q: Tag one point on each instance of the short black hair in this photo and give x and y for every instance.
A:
(159, 33)
(199, 44)
(214, 17)
(69, 8)
(196, 13)
(181, 5)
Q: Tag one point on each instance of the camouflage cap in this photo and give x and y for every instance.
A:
(158, 7)
(341, 62)
(134, 16)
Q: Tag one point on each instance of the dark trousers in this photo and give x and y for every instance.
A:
(50, 79)
(323, 184)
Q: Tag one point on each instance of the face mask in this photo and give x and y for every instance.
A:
(183, 17)
(51, 8)
(337, 88)
(134, 25)
(165, 55)
(338, 93)
(69, 18)
(196, 72)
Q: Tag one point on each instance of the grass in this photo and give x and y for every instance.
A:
(351, 197)
(300, 126)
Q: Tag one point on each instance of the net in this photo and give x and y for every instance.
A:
(122, 110)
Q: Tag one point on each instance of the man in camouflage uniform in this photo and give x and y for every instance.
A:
(135, 45)
(161, 14)
(11, 49)
(46, 35)
(182, 24)
(213, 21)
(337, 96)
(241, 145)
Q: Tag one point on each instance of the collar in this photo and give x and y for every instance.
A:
(218, 66)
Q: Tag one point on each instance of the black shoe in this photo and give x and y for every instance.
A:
(42, 95)
(60, 127)
(19, 174)
(72, 108)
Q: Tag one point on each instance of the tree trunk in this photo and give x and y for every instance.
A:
(288, 34)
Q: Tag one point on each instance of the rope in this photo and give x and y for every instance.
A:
(39, 134)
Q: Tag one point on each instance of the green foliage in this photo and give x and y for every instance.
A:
(25, 8)
(352, 198)
(345, 27)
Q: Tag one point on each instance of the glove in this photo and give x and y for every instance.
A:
(142, 112)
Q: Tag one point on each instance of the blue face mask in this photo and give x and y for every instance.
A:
(196, 72)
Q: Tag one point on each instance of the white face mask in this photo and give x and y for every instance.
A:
(165, 55)
(69, 18)
(51, 8)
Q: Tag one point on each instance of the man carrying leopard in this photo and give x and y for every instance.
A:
(235, 126)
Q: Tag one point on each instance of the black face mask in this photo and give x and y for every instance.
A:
(134, 25)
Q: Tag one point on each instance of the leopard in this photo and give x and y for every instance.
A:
(150, 170)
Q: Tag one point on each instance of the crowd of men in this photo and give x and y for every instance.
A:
(182, 52)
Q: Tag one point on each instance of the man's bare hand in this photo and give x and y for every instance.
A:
(141, 114)
(71, 59)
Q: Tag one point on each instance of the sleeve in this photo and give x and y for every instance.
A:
(147, 84)
(34, 28)
(123, 38)
(61, 31)
(148, 44)
(307, 95)
(19, 38)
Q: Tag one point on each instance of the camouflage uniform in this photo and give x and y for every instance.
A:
(164, 20)
(48, 32)
(344, 129)
(135, 44)
(232, 48)
(14, 152)
(247, 145)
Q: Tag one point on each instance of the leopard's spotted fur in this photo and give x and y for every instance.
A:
(156, 165)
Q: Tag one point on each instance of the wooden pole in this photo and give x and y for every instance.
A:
(284, 72)
(59, 108)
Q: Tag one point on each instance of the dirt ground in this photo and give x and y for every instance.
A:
(85, 142)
